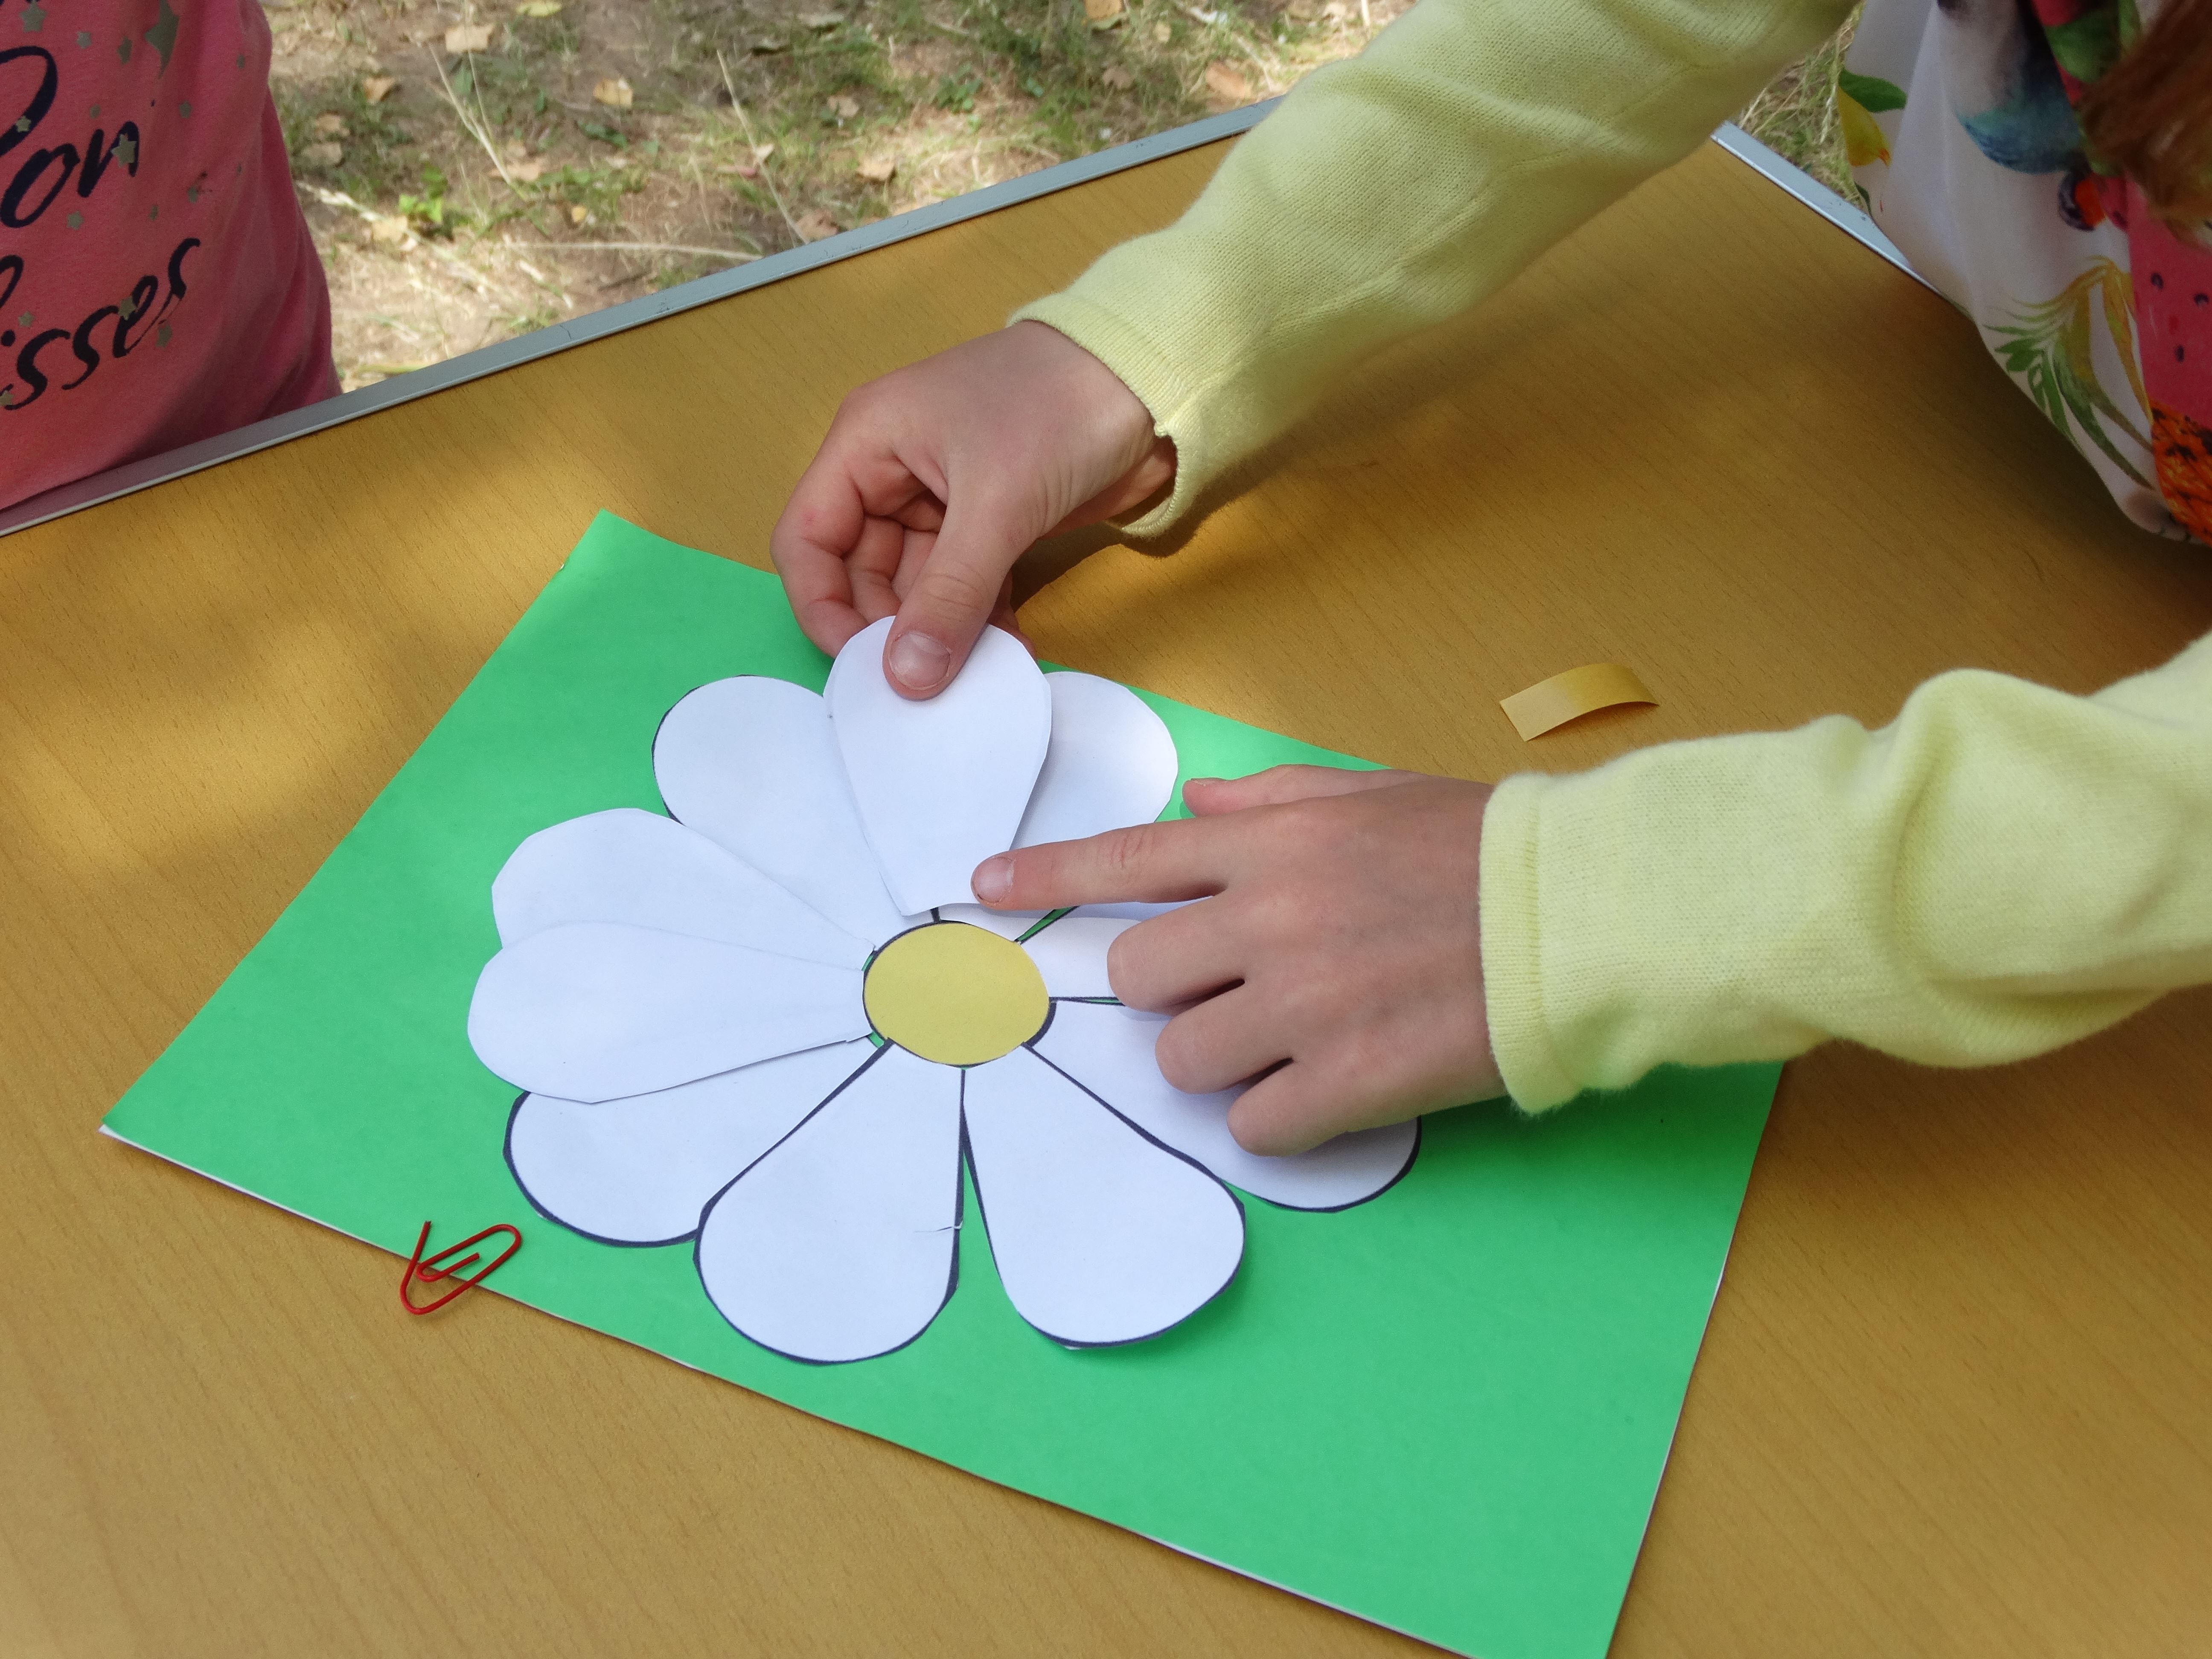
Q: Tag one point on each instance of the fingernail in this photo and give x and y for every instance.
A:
(995, 878)
(917, 661)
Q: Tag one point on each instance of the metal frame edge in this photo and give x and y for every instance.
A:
(1846, 217)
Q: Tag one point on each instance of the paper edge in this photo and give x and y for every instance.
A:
(820, 1416)
(1046, 666)
(1635, 1558)
(1704, 1330)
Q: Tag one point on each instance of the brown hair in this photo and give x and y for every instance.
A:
(2150, 115)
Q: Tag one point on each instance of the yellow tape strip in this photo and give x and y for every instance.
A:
(1563, 697)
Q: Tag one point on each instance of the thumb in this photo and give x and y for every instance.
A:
(954, 593)
(1280, 785)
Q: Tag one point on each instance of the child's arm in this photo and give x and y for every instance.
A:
(1399, 188)
(1388, 193)
(2002, 870)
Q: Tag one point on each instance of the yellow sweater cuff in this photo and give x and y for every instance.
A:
(1519, 1039)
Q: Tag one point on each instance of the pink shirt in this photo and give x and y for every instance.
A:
(157, 283)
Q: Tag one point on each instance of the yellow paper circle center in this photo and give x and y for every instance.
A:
(955, 994)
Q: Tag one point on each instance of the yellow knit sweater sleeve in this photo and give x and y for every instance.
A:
(2002, 870)
(1396, 189)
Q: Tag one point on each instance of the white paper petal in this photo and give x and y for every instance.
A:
(941, 785)
(640, 1170)
(591, 1011)
(1006, 924)
(749, 763)
(1109, 1051)
(1100, 1235)
(1111, 764)
(1134, 910)
(1071, 955)
(840, 1244)
(651, 871)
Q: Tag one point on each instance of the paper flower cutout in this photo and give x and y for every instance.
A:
(770, 1022)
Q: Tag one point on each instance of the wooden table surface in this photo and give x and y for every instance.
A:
(1957, 1394)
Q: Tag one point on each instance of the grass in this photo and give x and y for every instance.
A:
(748, 127)
(1795, 115)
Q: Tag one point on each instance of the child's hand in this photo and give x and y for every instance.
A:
(934, 479)
(1337, 950)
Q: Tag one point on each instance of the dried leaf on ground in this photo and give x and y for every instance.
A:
(323, 156)
(814, 224)
(525, 172)
(761, 152)
(389, 233)
(578, 213)
(1226, 84)
(1117, 77)
(467, 38)
(821, 20)
(1163, 34)
(539, 8)
(878, 169)
(614, 91)
(1103, 13)
(330, 126)
(375, 88)
(844, 108)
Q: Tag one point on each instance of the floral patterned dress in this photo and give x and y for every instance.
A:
(1959, 118)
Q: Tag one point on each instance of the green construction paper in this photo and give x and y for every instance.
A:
(1445, 1410)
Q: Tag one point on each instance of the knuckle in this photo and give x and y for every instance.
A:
(1121, 854)
(1307, 1003)
(1253, 1122)
(958, 587)
(870, 395)
(1124, 969)
(1271, 922)
(1178, 1063)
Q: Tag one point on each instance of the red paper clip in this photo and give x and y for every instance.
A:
(429, 1272)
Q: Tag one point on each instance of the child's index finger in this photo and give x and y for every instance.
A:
(1148, 863)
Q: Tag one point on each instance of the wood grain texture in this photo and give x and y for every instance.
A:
(1957, 1396)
